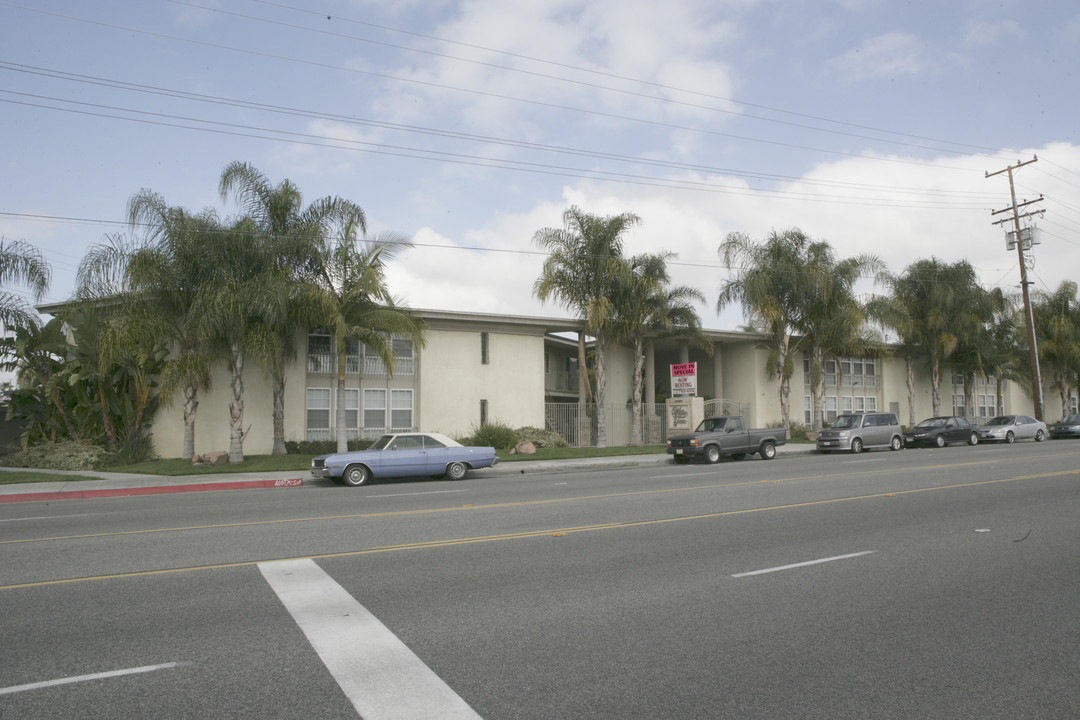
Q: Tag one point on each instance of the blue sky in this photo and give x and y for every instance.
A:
(468, 126)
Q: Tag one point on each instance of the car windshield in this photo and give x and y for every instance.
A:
(846, 421)
(381, 442)
(1071, 420)
(1002, 420)
(932, 423)
(711, 424)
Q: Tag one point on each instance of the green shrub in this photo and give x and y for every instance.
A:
(64, 455)
(541, 438)
(496, 434)
(132, 449)
(323, 447)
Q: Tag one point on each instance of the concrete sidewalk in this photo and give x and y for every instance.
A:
(112, 484)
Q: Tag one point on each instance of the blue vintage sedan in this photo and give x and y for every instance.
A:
(404, 455)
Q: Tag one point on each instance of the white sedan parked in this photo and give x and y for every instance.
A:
(1010, 428)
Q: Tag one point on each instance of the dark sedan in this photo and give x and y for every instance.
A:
(1066, 427)
(940, 431)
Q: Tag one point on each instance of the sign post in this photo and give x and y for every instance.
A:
(684, 408)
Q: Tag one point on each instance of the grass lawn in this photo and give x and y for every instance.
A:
(15, 476)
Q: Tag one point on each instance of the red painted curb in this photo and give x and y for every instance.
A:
(157, 490)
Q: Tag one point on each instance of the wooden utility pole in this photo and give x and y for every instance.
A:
(1036, 373)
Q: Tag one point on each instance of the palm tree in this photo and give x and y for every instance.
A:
(767, 285)
(647, 306)
(290, 235)
(157, 284)
(937, 305)
(20, 264)
(348, 294)
(1057, 325)
(829, 316)
(581, 271)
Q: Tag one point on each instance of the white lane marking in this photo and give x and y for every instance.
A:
(49, 517)
(382, 677)
(426, 492)
(86, 678)
(803, 564)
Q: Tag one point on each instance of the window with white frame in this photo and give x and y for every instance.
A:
(959, 404)
(352, 413)
(830, 409)
(847, 404)
(353, 356)
(401, 409)
(1073, 405)
(318, 414)
(860, 404)
(404, 360)
(375, 410)
(871, 404)
(808, 414)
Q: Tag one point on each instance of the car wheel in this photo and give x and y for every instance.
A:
(939, 441)
(712, 454)
(681, 459)
(896, 443)
(456, 471)
(856, 445)
(973, 439)
(356, 475)
(1039, 436)
(767, 450)
(1009, 437)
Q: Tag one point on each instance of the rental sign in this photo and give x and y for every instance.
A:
(684, 379)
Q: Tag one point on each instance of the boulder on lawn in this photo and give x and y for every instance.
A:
(524, 448)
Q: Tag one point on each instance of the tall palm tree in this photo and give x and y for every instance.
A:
(647, 306)
(158, 282)
(828, 314)
(1057, 325)
(347, 291)
(938, 305)
(290, 235)
(767, 284)
(581, 270)
(20, 264)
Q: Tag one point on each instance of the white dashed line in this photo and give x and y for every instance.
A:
(802, 564)
(86, 678)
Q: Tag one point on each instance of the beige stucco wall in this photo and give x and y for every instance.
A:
(453, 381)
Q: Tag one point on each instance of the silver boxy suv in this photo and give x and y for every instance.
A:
(862, 431)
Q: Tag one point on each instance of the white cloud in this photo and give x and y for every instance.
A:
(886, 56)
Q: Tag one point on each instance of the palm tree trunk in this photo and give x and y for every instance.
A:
(637, 434)
(601, 383)
(817, 381)
(339, 414)
(935, 384)
(236, 407)
(909, 367)
(583, 370)
(191, 404)
(279, 412)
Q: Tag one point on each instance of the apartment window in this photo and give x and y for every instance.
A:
(483, 412)
(871, 404)
(404, 359)
(808, 411)
(319, 353)
(352, 413)
(353, 355)
(847, 404)
(318, 413)
(547, 363)
(484, 349)
(860, 404)
(830, 409)
(959, 404)
(375, 409)
(401, 410)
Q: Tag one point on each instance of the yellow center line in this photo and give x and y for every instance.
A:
(542, 533)
(524, 503)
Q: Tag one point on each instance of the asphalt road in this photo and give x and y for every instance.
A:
(921, 583)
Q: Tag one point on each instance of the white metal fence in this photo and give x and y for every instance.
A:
(577, 423)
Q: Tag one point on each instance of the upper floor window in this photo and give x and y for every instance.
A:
(484, 358)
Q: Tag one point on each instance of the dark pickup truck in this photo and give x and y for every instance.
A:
(718, 436)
